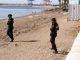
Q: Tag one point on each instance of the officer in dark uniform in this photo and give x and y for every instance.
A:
(54, 28)
(10, 27)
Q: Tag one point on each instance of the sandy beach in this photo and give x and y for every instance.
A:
(32, 37)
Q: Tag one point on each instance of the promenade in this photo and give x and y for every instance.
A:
(74, 53)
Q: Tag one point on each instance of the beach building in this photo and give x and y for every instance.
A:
(74, 10)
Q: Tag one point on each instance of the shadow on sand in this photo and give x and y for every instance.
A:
(7, 43)
(28, 41)
(63, 52)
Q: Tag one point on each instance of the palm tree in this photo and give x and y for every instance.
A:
(65, 5)
(79, 2)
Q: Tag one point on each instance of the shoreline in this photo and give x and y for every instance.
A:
(31, 14)
(46, 8)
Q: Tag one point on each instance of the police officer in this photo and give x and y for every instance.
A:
(10, 27)
(54, 28)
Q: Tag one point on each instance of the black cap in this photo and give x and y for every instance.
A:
(9, 15)
(54, 19)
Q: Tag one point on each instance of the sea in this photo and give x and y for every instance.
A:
(17, 12)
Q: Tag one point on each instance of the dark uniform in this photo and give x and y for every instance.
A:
(54, 28)
(10, 27)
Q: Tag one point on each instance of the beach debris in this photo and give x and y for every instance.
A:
(16, 45)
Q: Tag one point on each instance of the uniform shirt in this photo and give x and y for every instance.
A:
(54, 28)
(10, 23)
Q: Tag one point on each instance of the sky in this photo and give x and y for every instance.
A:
(25, 1)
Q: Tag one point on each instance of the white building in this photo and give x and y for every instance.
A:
(74, 10)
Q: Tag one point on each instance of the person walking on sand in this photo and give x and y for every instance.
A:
(54, 28)
(10, 27)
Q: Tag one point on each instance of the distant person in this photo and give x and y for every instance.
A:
(10, 27)
(54, 28)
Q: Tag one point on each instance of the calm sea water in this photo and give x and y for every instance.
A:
(17, 12)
